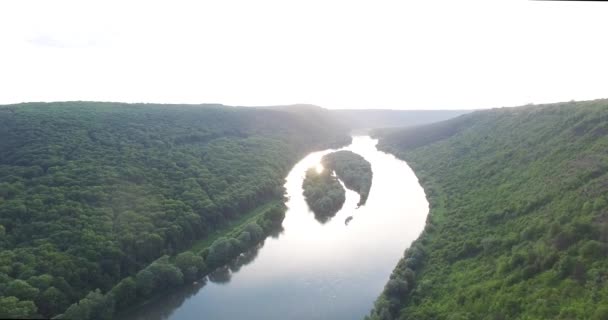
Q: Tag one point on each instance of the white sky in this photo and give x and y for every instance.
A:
(336, 54)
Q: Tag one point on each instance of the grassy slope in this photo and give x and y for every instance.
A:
(233, 227)
(518, 227)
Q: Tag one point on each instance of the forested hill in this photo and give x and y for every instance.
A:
(518, 227)
(93, 192)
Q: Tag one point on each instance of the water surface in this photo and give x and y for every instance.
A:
(314, 270)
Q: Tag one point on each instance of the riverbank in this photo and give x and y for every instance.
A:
(232, 227)
(166, 274)
(404, 277)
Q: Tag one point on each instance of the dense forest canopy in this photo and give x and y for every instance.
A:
(518, 227)
(323, 193)
(352, 169)
(91, 193)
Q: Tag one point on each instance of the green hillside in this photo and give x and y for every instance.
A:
(91, 193)
(518, 227)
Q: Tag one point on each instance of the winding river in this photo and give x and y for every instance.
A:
(313, 270)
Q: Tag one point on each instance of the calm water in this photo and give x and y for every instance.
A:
(313, 270)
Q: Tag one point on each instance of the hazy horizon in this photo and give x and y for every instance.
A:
(338, 55)
(300, 104)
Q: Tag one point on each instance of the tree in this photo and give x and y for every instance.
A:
(166, 275)
(255, 231)
(52, 302)
(125, 292)
(13, 308)
(396, 288)
(145, 282)
(220, 251)
(22, 290)
(42, 282)
(190, 265)
(94, 306)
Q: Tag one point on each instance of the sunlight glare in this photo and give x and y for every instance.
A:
(319, 168)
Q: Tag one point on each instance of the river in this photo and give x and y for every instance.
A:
(313, 270)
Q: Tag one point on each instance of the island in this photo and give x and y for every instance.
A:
(323, 193)
(353, 170)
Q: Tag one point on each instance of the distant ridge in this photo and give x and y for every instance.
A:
(364, 119)
(385, 118)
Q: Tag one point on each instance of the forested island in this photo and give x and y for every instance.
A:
(323, 193)
(352, 169)
(518, 224)
(102, 203)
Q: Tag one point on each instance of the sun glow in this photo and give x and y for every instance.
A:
(319, 168)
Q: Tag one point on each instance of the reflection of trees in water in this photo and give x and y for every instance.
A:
(275, 233)
(246, 258)
(322, 219)
(348, 219)
(163, 306)
(223, 274)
